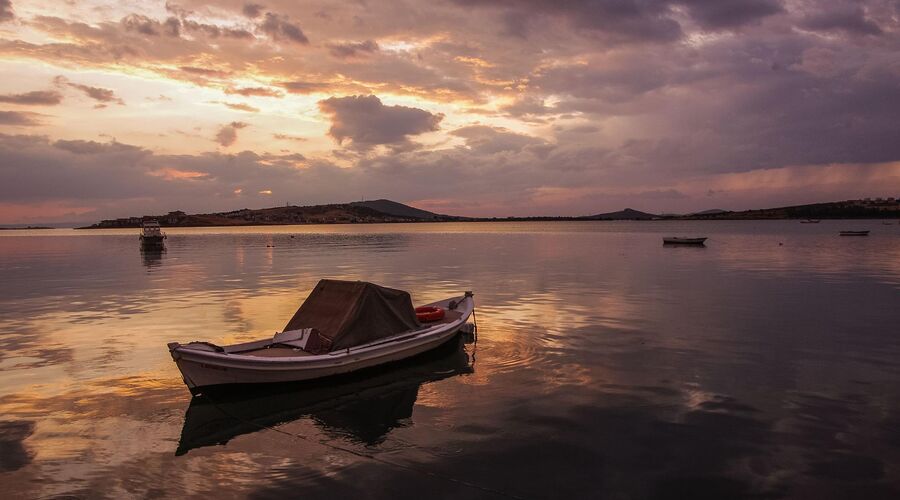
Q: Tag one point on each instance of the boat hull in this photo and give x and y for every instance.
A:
(684, 241)
(152, 241)
(201, 370)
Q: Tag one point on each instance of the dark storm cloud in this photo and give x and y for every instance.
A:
(227, 134)
(19, 118)
(98, 94)
(366, 122)
(34, 98)
(846, 16)
(6, 11)
(280, 27)
(719, 14)
(352, 49)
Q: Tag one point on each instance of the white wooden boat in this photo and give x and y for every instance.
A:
(364, 406)
(854, 233)
(341, 327)
(673, 240)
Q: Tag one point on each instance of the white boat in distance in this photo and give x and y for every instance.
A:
(343, 326)
(673, 240)
(151, 235)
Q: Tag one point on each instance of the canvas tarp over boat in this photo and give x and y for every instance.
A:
(351, 313)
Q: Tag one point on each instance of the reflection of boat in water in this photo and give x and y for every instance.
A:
(673, 240)
(343, 326)
(810, 221)
(152, 236)
(152, 257)
(363, 406)
(854, 233)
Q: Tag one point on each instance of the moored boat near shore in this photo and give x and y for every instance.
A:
(854, 233)
(674, 240)
(152, 237)
(343, 326)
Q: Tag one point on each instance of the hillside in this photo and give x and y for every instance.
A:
(340, 213)
(627, 214)
(850, 209)
(397, 209)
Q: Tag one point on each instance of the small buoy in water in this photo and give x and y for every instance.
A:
(292, 236)
(780, 243)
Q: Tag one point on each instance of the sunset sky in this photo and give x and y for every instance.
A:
(466, 107)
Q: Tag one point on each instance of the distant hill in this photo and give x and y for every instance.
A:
(627, 214)
(398, 209)
(713, 211)
(868, 208)
(339, 213)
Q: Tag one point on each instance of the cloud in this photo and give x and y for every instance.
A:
(19, 118)
(237, 106)
(34, 98)
(718, 14)
(213, 73)
(6, 11)
(366, 122)
(252, 10)
(484, 139)
(254, 91)
(849, 17)
(150, 27)
(280, 28)
(227, 134)
(81, 147)
(352, 49)
(286, 137)
(299, 87)
(617, 21)
(98, 94)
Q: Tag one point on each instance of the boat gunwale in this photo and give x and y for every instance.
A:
(331, 358)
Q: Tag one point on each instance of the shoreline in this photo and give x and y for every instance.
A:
(492, 220)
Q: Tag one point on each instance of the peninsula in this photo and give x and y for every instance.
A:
(387, 211)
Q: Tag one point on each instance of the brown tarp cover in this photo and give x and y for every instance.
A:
(350, 313)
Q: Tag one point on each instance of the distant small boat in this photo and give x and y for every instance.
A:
(152, 236)
(887, 223)
(810, 221)
(673, 240)
(854, 233)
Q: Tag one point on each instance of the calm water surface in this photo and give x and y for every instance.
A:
(766, 365)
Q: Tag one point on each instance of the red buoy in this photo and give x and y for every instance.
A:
(427, 314)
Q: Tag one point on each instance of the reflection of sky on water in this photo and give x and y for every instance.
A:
(766, 362)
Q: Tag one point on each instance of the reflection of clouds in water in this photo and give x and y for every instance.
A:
(603, 359)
